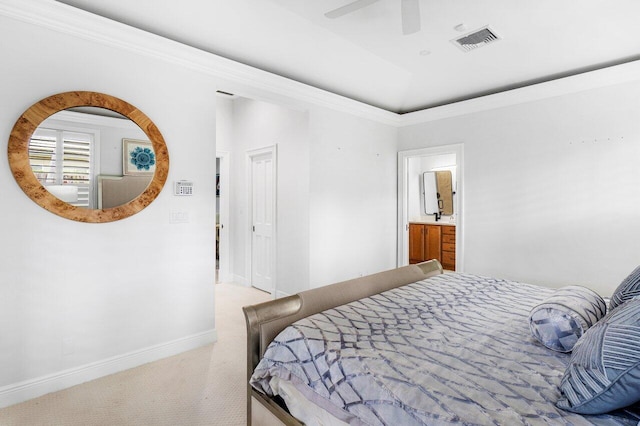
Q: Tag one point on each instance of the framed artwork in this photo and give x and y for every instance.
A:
(138, 157)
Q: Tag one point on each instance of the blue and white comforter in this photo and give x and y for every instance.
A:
(454, 348)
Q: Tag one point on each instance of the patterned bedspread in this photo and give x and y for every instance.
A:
(454, 348)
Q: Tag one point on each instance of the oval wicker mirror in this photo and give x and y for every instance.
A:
(19, 159)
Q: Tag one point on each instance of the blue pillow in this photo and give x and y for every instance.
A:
(628, 289)
(560, 320)
(604, 371)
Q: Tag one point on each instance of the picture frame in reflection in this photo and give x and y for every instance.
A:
(138, 157)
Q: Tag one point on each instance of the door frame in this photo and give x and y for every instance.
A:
(403, 199)
(272, 149)
(224, 254)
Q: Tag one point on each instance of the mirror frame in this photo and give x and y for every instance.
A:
(18, 151)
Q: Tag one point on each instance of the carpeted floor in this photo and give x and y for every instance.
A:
(205, 386)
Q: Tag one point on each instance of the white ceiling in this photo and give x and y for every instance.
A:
(364, 55)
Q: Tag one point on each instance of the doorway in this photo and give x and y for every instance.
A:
(222, 217)
(407, 194)
(262, 204)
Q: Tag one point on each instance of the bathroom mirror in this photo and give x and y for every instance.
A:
(61, 197)
(438, 193)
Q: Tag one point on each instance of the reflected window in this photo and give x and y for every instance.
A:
(65, 158)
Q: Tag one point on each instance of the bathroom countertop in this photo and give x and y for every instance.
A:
(433, 222)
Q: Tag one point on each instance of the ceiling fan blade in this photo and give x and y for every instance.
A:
(410, 16)
(348, 8)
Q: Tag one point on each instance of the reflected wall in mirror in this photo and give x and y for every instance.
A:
(62, 146)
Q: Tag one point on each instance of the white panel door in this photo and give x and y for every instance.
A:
(262, 187)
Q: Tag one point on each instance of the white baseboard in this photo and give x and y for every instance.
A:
(241, 280)
(29, 389)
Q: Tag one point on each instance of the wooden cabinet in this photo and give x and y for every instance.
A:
(433, 237)
(432, 242)
(416, 243)
(448, 247)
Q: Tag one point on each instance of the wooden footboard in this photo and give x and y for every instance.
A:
(266, 320)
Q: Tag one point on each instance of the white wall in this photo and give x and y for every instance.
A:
(75, 293)
(550, 186)
(353, 197)
(247, 124)
(336, 191)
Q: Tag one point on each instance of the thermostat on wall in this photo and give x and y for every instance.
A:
(183, 187)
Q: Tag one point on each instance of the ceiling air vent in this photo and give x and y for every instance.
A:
(475, 39)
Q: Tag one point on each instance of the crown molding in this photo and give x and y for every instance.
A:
(91, 119)
(609, 76)
(253, 81)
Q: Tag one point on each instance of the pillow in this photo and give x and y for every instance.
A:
(628, 289)
(604, 371)
(560, 320)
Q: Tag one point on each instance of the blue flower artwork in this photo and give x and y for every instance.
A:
(138, 157)
(142, 158)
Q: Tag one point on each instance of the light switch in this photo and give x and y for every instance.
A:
(179, 217)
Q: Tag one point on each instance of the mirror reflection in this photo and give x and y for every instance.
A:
(92, 157)
(438, 193)
(431, 188)
(152, 167)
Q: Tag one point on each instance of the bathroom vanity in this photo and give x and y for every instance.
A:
(433, 241)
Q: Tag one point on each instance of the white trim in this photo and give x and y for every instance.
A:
(29, 389)
(273, 150)
(76, 22)
(243, 281)
(225, 260)
(403, 215)
(258, 84)
(92, 119)
(617, 74)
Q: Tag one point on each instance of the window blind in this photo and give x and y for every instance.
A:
(60, 157)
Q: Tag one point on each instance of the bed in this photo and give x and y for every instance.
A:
(114, 191)
(408, 346)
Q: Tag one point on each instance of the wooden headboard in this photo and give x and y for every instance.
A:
(266, 320)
